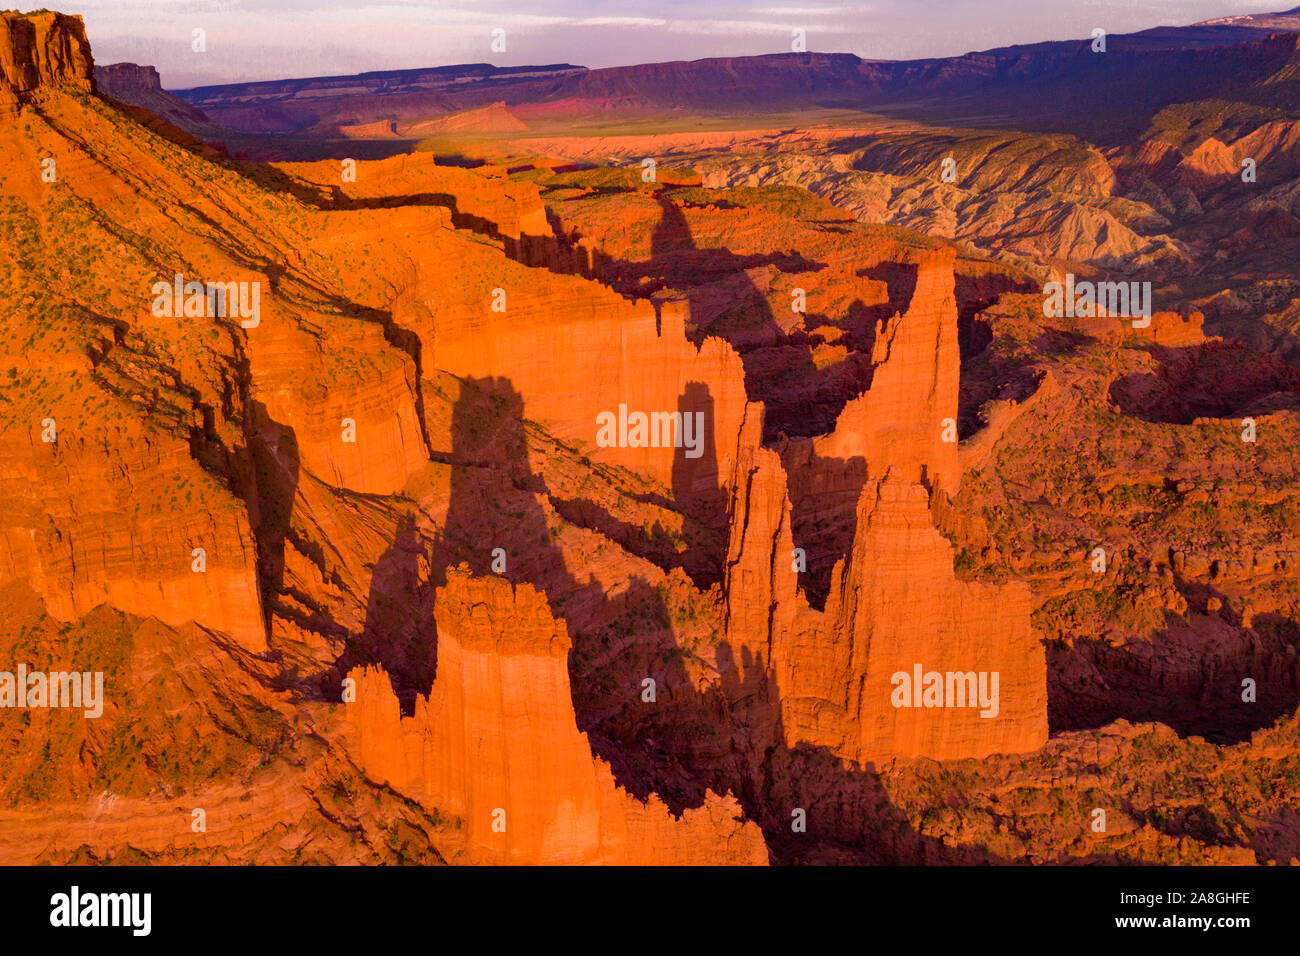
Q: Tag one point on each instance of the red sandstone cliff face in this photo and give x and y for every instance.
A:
(119, 79)
(902, 422)
(141, 86)
(172, 433)
(834, 674)
(761, 588)
(895, 603)
(510, 209)
(496, 744)
(500, 317)
(624, 355)
(85, 526)
(978, 631)
(43, 49)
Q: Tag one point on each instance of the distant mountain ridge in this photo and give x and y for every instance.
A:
(434, 77)
(1284, 20)
(1136, 75)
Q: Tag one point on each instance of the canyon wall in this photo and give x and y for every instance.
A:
(493, 205)
(573, 349)
(609, 352)
(83, 533)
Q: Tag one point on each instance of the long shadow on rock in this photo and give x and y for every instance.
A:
(1188, 676)
(810, 805)
(399, 633)
(900, 283)
(975, 293)
(276, 463)
(779, 370)
(697, 494)
(1214, 380)
(697, 486)
(824, 495)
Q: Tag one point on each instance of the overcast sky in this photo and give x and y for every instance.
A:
(268, 39)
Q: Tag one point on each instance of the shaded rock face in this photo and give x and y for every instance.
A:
(44, 49)
(118, 79)
(496, 744)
